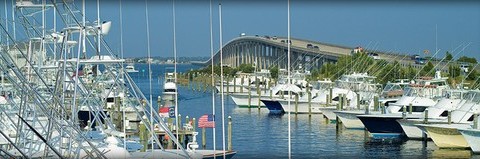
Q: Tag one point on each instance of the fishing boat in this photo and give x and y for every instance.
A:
(458, 101)
(446, 135)
(252, 99)
(357, 90)
(472, 136)
(310, 102)
(130, 68)
(420, 96)
(170, 91)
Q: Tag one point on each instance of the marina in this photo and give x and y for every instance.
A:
(71, 87)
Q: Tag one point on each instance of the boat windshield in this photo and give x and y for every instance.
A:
(392, 87)
(452, 94)
(473, 96)
(323, 85)
(426, 92)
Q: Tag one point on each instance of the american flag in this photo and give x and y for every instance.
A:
(206, 121)
(163, 112)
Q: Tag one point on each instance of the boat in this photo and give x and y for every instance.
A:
(252, 99)
(458, 101)
(130, 68)
(420, 96)
(390, 94)
(170, 91)
(472, 136)
(446, 135)
(393, 91)
(359, 90)
(244, 82)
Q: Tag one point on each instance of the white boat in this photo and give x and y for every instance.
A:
(359, 89)
(130, 68)
(393, 91)
(446, 135)
(472, 136)
(245, 82)
(421, 96)
(253, 100)
(457, 101)
(170, 91)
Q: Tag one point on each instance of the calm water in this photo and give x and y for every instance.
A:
(256, 134)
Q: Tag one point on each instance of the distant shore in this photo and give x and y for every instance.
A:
(165, 60)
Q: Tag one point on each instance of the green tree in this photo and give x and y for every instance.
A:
(454, 71)
(246, 68)
(428, 70)
(472, 75)
(448, 56)
(274, 72)
(467, 59)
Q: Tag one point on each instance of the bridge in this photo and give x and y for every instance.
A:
(265, 51)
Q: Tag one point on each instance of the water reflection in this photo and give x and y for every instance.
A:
(451, 153)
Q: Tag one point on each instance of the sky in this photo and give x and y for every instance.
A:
(392, 26)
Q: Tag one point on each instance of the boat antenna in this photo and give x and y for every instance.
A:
(213, 79)
(289, 80)
(221, 78)
(84, 31)
(121, 54)
(99, 28)
(175, 67)
(149, 61)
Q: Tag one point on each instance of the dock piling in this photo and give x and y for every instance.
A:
(229, 133)
(449, 116)
(375, 103)
(249, 97)
(309, 103)
(358, 101)
(410, 108)
(296, 104)
(475, 121)
(234, 84)
(241, 86)
(331, 96)
(425, 119)
(259, 101)
(204, 140)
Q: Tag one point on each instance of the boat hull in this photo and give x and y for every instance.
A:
(384, 125)
(446, 136)
(273, 106)
(301, 107)
(328, 112)
(349, 119)
(410, 129)
(472, 137)
(242, 101)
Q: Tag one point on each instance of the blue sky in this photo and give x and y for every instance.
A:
(393, 26)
